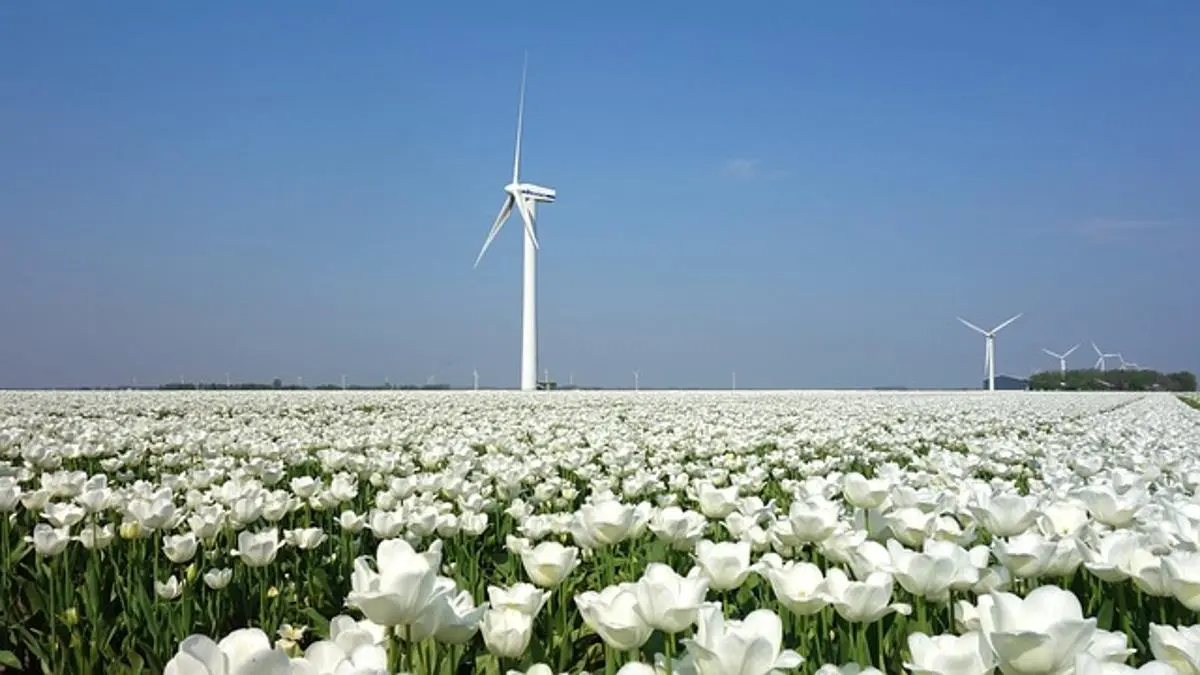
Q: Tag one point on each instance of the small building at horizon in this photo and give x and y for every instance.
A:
(1007, 383)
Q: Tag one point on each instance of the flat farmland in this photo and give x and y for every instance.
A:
(650, 532)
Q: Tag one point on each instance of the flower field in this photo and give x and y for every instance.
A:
(735, 533)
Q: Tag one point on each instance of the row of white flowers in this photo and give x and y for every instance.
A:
(710, 533)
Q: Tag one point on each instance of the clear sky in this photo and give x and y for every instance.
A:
(805, 192)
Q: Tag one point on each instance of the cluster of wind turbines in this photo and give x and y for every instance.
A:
(1101, 359)
(989, 352)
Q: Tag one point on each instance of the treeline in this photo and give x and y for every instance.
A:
(278, 385)
(1113, 380)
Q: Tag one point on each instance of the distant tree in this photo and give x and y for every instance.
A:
(1184, 380)
(278, 384)
(1112, 380)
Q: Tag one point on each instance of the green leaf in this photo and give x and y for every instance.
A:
(1104, 618)
(9, 660)
(17, 553)
(319, 623)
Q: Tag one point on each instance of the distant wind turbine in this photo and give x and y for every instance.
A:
(1102, 358)
(1062, 358)
(525, 197)
(636, 375)
(989, 347)
(1126, 365)
(475, 378)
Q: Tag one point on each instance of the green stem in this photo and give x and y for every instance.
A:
(564, 649)
(52, 652)
(882, 664)
(412, 649)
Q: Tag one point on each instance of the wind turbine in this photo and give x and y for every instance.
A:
(989, 347)
(525, 197)
(636, 374)
(475, 377)
(1126, 365)
(1102, 358)
(1062, 359)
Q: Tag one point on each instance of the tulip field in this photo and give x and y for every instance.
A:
(680, 533)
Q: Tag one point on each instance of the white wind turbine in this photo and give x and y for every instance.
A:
(525, 197)
(1102, 358)
(989, 347)
(1062, 359)
(1126, 365)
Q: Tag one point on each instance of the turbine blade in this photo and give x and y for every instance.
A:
(972, 326)
(520, 121)
(1057, 356)
(527, 218)
(504, 211)
(1068, 352)
(997, 328)
(1098, 352)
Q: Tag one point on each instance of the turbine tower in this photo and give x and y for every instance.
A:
(989, 348)
(525, 198)
(1062, 359)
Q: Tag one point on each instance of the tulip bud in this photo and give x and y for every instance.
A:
(130, 530)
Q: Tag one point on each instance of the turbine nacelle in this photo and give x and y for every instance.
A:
(522, 196)
(532, 192)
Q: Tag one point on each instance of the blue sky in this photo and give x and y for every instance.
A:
(806, 193)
